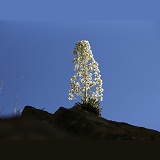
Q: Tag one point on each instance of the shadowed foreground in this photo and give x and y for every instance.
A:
(73, 123)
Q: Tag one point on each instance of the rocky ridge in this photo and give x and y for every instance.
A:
(74, 123)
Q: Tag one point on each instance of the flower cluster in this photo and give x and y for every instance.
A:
(88, 76)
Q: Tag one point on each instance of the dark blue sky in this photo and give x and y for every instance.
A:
(37, 39)
(79, 9)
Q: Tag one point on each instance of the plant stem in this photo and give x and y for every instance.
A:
(85, 94)
(85, 91)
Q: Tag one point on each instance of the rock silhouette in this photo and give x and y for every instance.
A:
(70, 124)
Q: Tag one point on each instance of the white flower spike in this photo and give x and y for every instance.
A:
(87, 77)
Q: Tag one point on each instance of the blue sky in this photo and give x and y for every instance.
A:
(42, 52)
(37, 41)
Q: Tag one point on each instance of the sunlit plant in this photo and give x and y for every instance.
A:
(16, 111)
(1, 87)
(87, 82)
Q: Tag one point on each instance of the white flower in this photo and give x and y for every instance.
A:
(83, 82)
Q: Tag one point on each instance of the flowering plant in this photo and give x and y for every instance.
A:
(87, 77)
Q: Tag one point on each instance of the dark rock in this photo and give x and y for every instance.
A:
(88, 126)
(37, 114)
(73, 123)
(29, 129)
